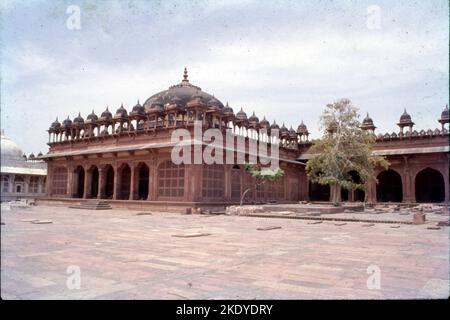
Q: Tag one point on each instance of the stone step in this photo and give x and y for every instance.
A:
(92, 205)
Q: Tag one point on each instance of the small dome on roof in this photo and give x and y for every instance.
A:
(405, 117)
(264, 123)
(92, 117)
(367, 123)
(138, 109)
(253, 118)
(31, 156)
(227, 109)
(106, 115)
(283, 129)
(55, 124)
(39, 154)
(67, 122)
(445, 113)
(274, 126)
(79, 119)
(241, 115)
(292, 133)
(367, 119)
(214, 103)
(121, 112)
(301, 129)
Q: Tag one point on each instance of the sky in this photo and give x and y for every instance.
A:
(285, 60)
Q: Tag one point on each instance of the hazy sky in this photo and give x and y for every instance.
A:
(281, 59)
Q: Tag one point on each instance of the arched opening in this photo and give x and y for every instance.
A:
(125, 183)
(109, 186)
(143, 179)
(389, 187)
(353, 195)
(429, 186)
(319, 192)
(94, 182)
(79, 172)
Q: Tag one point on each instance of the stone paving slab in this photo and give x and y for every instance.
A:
(122, 255)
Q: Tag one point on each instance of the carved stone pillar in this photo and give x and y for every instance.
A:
(101, 183)
(132, 182)
(116, 182)
(87, 184)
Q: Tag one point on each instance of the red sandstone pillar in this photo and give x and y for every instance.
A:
(101, 183)
(70, 175)
(87, 184)
(132, 182)
(116, 182)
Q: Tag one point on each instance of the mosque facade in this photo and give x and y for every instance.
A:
(125, 156)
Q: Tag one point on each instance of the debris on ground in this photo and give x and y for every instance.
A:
(268, 228)
(315, 222)
(368, 225)
(340, 224)
(395, 227)
(443, 223)
(419, 218)
(191, 235)
(41, 221)
(144, 214)
(434, 228)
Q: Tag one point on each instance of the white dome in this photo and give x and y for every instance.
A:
(9, 149)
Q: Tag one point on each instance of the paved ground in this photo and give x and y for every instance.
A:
(122, 255)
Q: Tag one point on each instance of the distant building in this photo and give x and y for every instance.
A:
(21, 177)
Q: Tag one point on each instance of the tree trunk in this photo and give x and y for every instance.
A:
(335, 193)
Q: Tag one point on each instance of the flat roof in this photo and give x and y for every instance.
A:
(400, 151)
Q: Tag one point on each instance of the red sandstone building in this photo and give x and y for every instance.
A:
(125, 157)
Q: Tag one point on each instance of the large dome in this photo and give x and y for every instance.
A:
(9, 149)
(184, 91)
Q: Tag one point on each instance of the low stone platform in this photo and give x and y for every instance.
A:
(312, 207)
(309, 208)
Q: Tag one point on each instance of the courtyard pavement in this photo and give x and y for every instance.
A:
(122, 254)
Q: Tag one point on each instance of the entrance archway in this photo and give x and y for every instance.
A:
(143, 179)
(94, 182)
(109, 187)
(358, 195)
(319, 192)
(125, 182)
(389, 187)
(79, 172)
(429, 186)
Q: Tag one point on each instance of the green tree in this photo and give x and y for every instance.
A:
(261, 176)
(344, 147)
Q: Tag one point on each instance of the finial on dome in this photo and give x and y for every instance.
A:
(185, 75)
